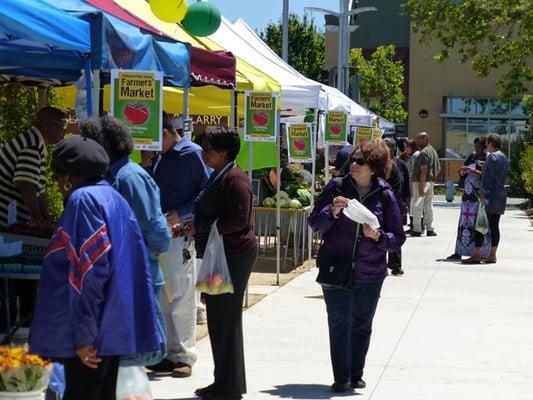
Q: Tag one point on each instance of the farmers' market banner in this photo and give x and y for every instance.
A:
(300, 142)
(261, 119)
(337, 128)
(137, 99)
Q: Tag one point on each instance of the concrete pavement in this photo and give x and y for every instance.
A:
(442, 331)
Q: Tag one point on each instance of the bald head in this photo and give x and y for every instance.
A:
(422, 139)
(51, 122)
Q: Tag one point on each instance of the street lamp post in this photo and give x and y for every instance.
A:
(344, 14)
(285, 32)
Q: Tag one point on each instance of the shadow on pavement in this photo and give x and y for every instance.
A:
(306, 391)
(317, 297)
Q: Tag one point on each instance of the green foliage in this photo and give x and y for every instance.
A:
(520, 168)
(306, 45)
(18, 109)
(489, 34)
(381, 81)
(527, 174)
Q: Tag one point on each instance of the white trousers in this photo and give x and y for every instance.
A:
(179, 299)
(422, 206)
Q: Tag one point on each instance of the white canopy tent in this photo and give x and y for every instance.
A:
(331, 99)
(297, 93)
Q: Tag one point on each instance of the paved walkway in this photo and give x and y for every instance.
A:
(442, 331)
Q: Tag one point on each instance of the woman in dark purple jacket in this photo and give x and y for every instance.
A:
(350, 312)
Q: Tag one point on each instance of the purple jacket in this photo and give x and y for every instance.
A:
(339, 234)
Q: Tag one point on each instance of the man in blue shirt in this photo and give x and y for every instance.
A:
(181, 175)
(139, 190)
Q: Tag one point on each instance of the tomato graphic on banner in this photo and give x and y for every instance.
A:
(336, 128)
(300, 143)
(363, 135)
(136, 99)
(261, 119)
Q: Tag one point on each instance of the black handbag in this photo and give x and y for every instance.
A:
(335, 271)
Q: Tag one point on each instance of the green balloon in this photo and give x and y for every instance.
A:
(202, 19)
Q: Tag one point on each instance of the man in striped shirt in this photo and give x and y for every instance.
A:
(23, 167)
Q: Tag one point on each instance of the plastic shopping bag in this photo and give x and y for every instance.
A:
(482, 221)
(133, 384)
(360, 214)
(214, 277)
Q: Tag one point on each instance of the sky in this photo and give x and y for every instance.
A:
(257, 13)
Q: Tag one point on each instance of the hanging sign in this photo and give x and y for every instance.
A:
(377, 133)
(363, 135)
(300, 143)
(261, 119)
(137, 99)
(337, 127)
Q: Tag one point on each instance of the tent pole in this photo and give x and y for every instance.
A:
(95, 94)
(186, 92)
(88, 87)
(314, 142)
(278, 208)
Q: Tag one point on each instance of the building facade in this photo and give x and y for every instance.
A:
(446, 100)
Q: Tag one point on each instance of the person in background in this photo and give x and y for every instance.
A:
(399, 181)
(351, 312)
(95, 301)
(23, 199)
(426, 168)
(471, 173)
(494, 196)
(139, 190)
(181, 175)
(408, 155)
(226, 202)
(341, 166)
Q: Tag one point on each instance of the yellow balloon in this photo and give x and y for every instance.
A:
(169, 10)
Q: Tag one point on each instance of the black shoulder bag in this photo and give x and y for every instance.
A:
(335, 271)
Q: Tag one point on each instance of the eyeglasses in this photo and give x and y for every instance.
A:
(359, 160)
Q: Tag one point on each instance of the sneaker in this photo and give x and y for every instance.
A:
(164, 365)
(416, 234)
(431, 233)
(358, 384)
(182, 370)
(201, 318)
(340, 387)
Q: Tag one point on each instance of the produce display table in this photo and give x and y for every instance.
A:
(26, 266)
(294, 231)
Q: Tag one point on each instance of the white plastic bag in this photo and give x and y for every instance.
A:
(360, 214)
(482, 221)
(214, 277)
(133, 384)
(420, 199)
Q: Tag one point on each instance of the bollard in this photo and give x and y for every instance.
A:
(450, 191)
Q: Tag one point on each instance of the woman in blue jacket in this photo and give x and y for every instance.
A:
(350, 312)
(96, 300)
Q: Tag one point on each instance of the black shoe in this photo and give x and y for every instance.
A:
(358, 384)
(454, 257)
(396, 271)
(164, 365)
(340, 387)
(416, 234)
(431, 233)
(223, 397)
(205, 391)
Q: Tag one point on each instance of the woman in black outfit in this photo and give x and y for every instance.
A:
(227, 200)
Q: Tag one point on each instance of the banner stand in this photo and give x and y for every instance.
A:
(278, 206)
(313, 182)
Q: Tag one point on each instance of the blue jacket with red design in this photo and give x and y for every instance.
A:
(96, 286)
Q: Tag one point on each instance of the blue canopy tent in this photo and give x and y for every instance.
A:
(41, 42)
(118, 44)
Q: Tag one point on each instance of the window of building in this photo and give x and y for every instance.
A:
(469, 117)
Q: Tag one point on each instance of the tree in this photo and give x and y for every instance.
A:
(381, 80)
(306, 45)
(490, 34)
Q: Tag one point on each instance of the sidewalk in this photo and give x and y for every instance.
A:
(443, 331)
